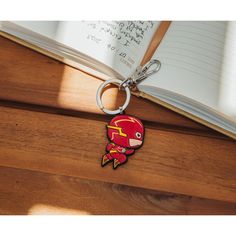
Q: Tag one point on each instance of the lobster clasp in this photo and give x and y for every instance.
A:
(141, 73)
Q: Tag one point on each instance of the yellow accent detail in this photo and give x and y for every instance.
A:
(113, 151)
(130, 119)
(105, 159)
(119, 129)
(116, 163)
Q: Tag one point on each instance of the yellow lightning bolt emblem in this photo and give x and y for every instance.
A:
(119, 130)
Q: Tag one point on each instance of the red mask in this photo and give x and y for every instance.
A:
(126, 131)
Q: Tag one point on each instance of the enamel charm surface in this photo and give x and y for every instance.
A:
(125, 133)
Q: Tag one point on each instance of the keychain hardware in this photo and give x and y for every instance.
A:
(141, 73)
(125, 132)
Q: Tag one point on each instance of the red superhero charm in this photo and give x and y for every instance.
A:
(126, 134)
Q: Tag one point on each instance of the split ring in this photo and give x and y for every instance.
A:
(99, 97)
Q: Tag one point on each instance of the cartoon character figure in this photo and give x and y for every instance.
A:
(126, 134)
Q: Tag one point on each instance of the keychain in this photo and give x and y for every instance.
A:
(125, 132)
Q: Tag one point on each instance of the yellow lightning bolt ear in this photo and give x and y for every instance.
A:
(119, 130)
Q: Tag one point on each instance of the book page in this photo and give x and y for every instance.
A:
(119, 44)
(45, 28)
(192, 56)
(227, 92)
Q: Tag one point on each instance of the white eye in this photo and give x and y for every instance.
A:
(138, 135)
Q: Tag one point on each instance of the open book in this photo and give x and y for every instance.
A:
(197, 76)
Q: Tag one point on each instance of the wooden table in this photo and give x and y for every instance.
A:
(52, 137)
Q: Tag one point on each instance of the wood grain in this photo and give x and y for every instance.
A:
(30, 192)
(30, 77)
(54, 128)
(73, 145)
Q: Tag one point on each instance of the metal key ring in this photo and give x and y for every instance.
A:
(99, 95)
